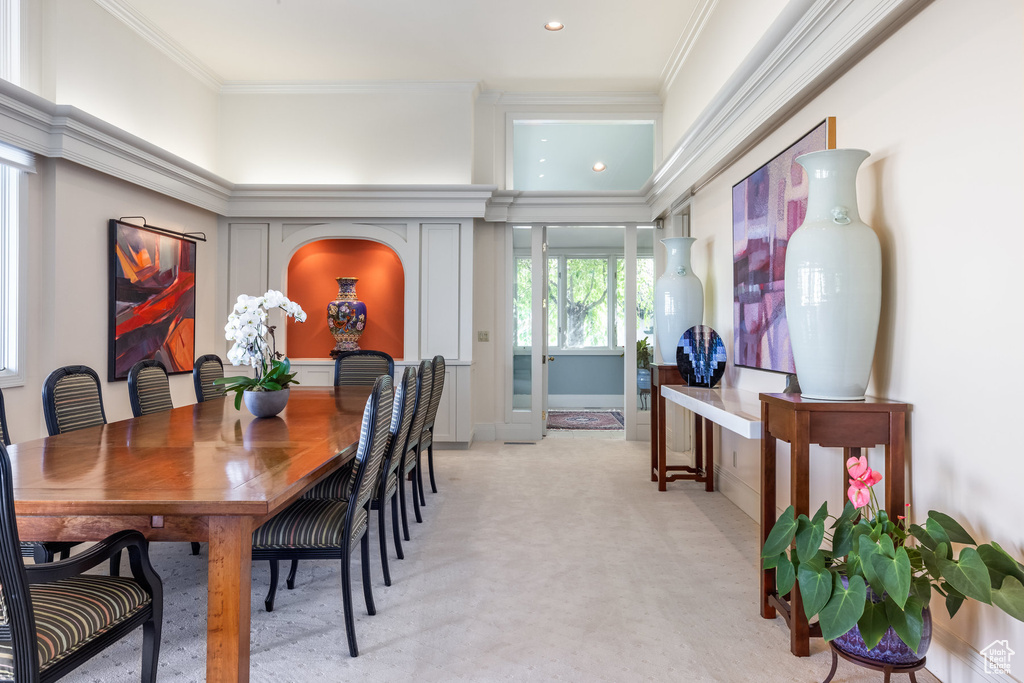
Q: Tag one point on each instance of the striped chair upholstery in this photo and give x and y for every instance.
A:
(361, 368)
(411, 461)
(56, 617)
(206, 369)
(427, 440)
(148, 388)
(328, 529)
(72, 399)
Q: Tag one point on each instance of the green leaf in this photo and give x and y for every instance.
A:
(785, 575)
(894, 575)
(907, 621)
(815, 584)
(918, 532)
(887, 547)
(781, 534)
(1010, 597)
(809, 536)
(873, 623)
(939, 534)
(271, 386)
(844, 608)
(772, 562)
(953, 603)
(999, 564)
(867, 550)
(954, 531)
(842, 539)
(848, 515)
(969, 575)
(821, 515)
(238, 400)
(931, 562)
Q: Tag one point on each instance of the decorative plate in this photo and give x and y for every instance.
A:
(700, 356)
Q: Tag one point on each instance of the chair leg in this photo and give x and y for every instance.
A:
(401, 500)
(115, 564)
(394, 527)
(195, 548)
(415, 496)
(364, 552)
(346, 597)
(430, 467)
(382, 532)
(291, 574)
(418, 482)
(151, 648)
(268, 602)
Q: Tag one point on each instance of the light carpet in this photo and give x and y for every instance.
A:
(552, 562)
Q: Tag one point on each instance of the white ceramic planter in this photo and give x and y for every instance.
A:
(678, 297)
(833, 282)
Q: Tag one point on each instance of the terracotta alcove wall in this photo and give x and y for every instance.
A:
(311, 283)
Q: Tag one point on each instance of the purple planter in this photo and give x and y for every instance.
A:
(891, 649)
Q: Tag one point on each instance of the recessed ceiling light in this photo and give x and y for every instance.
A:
(554, 26)
(543, 139)
(541, 175)
(599, 167)
(543, 160)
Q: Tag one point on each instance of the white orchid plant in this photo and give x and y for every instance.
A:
(255, 345)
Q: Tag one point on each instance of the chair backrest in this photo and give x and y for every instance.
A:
(423, 390)
(373, 442)
(401, 423)
(435, 393)
(362, 368)
(72, 399)
(148, 388)
(3, 422)
(206, 369)
(15, 604)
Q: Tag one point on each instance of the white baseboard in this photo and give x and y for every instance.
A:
(484, 432)
(586, 401)
(739, 492)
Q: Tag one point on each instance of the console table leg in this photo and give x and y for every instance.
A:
(654, 433)
(895, 469)
(662, 473)
(800, 485)
(768, 515)
(698, 442)
(709, 430)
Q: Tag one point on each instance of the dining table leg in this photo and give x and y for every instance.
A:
(228, 593)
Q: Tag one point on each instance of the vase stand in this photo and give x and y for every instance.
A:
(887, 669)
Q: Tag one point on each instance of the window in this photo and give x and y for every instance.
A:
(10, 367)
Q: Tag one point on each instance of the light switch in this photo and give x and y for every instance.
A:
(483, 336)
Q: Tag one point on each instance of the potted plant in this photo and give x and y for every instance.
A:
(644, 354)
(876, 576)
(266, 392)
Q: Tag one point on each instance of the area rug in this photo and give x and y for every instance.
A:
(585, 419)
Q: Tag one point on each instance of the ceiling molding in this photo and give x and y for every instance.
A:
(589, 99)
(360, 201)
(149, 32)
(687, 39)
(805, 50)
(347, 87)
(562, 207)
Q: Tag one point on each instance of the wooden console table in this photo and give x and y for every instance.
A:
(850, 425)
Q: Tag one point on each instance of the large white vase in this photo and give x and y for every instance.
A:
(833, 282)
(678, 297)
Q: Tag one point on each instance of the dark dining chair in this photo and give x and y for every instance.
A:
(206, 369)
(39, 552)
(427, 442)
(324, 529)
(148, 388)
(411, 460)
(55, 617)
(72, 400)
(362, 368)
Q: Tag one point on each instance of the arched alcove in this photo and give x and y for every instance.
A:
(311, 282)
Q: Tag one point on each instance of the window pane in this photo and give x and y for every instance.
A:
(522, 318)
(586, 303)
(553, 302)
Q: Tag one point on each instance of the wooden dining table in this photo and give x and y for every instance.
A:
(205, 472)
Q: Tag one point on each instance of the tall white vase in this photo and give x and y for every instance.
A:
(678, 297)
(833, 282)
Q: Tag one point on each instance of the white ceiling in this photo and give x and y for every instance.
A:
(605, 45)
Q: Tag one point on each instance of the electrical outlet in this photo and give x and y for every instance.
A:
(483, 336)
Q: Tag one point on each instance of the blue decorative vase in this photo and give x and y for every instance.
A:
(891, 649)
(346, 317)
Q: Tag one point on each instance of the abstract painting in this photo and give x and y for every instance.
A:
(767, 207)
(152, 299)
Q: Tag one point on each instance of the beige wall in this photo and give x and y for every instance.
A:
(939, 106)
(67, 283)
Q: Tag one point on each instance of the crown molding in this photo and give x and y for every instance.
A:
(803, 52)
(590, 99)
(346, 87)
(360, 201)
(687, 39)
(564, 207)
(149, 32)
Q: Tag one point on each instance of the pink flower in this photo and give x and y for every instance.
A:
(859, 471)
(858, 496)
